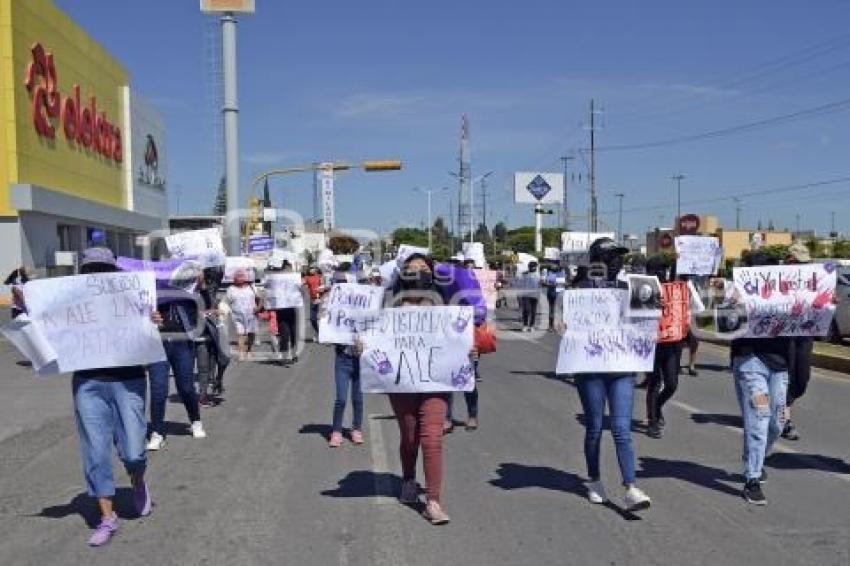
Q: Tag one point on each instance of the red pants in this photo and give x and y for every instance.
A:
(420, 422)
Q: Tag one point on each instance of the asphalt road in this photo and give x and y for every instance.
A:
(265, 489)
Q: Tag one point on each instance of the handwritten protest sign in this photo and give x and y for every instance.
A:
(418, 349)
(698, 255)
(675, 314)
(178, 273)
(232, 264)
(599, 339)
(204, 245)
(283, 291)
(346, 304)
(99, 320)
(487, 279)
(786, 300)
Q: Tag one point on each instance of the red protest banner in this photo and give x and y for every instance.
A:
(675, 314)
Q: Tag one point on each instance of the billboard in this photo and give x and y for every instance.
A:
(216, 6)
(148, 158)
(538, 188)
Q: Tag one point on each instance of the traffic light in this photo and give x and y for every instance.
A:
(255, 215)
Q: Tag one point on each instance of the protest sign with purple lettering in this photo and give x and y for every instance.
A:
(598, 338)
(180, 274)
(418, 350)
(98, 320)
(347, 306)
(786, 300)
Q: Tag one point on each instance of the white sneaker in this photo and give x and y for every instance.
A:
(596, 492)
(636, 499)
(155, 442)
(198, 430)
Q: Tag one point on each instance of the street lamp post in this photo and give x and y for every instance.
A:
(620, 218)
(678, 178)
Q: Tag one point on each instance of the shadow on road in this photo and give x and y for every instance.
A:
(785, 461)
(691, 472)
(718, 418)
(363, 483)
(86, 508)
(519, 476)
(323, 430)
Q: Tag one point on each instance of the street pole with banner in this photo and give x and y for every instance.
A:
(326, 186)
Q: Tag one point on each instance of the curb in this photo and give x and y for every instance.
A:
(819, 360)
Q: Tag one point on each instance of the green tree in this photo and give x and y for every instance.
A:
(410, 236)
(500, 232)
(343, 244)
(482, 234)
(841, 249)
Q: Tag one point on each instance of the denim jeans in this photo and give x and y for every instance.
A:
(347, 369)
(761, 395)
(109, 412)
(471, 398)
(618, 389)
(314, 320)
(181, 359)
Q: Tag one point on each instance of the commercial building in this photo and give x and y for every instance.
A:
(82, 157)
(734, 242)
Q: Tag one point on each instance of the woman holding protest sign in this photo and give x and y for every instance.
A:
(674, 325)
(109, 406)
(605, 262)
(211, 348)
(420, 415)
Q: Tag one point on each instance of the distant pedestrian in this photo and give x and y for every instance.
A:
(529, 286)
(287, 326)
(244, 306)
(109, 408)
(211, 348)
(313, 281)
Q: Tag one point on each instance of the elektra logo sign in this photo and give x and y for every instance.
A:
(538, 187)
(81, 125)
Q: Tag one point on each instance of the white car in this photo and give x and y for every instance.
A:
(841, 322)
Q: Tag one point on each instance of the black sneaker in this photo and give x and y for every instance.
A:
(753, 493)
(654, 430)
(661, 421)
(693, 372)
(789, 432)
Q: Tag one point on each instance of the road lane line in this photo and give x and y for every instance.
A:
(381, 469)
(778, 446)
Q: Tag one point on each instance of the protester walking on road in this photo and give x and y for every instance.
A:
(313, 281)
(287, 327)
(420, 415)
(346, 376)
(109, 408)
(760, 370)
(667, 354)
(211, 349)
(800, 353)
(529, 285)
(244, 305)
(181, 325)
(606, 260)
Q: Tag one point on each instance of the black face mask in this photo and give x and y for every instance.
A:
(417, 281)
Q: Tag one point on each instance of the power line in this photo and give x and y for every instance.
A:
(829, 108)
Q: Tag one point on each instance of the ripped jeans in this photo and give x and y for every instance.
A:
(761, 395)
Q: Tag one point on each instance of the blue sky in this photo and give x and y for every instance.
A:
(325, 79)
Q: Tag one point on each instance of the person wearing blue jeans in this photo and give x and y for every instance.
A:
(180, 355)
(109, 408)
(471, 399)
(347, 374)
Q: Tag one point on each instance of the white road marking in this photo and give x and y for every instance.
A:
(379, 462)
(389, 550)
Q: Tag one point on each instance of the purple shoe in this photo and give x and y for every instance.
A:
(104, 531)
(142, 499)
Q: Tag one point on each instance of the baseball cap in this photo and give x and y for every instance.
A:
(98, 254)
(602, 246)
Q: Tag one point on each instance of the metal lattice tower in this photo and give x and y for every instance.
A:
(464, 203)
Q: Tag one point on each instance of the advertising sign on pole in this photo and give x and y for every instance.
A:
(538, 188)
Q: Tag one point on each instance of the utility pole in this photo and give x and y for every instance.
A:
(620, 218)
(737, 213)
(452, 221)
(593, 224)
(832, 232)
(678, 178)
(797, 217)
(230, 110)
(566, 159)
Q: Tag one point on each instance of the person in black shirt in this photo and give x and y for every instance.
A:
(760, 370)
(800, 354)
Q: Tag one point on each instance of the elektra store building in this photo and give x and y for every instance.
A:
(82, 158)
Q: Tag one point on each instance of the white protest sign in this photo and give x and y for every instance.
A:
(405, 251)
(487, 279)
(698, 255)
(204, 245)
(232, 264)
(31, 342)
(99, 320)
(579, 242)
(283, 291)
(786, 300)
(418, 350)
(474, 251)
(599, 339)
(345, 305)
